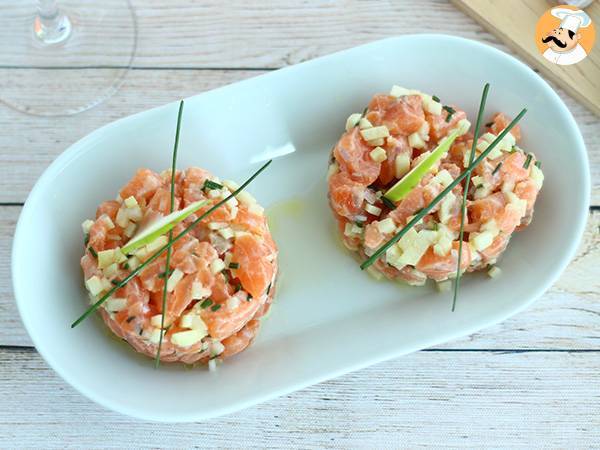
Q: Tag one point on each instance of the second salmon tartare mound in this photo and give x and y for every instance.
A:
(395, 133)
(221, 276)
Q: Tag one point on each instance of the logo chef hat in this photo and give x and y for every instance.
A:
(571, 19)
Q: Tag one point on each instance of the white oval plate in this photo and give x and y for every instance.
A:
(329, 317)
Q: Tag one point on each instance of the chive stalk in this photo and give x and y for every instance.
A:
(206, 303)
(450, 110)
(463, 206)
(168, 261)
(387, 202)
(210, 185)
(497, 168)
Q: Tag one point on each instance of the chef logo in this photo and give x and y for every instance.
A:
(565, 35)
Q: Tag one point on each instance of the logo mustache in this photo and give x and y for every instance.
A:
(558, 42)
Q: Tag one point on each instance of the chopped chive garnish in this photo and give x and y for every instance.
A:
(527, 161)
(249, 297)
(129, 319)
(450, 112)
(513, 149)
(86, 239)
(489, 124)
(206, 303)
(538, 164)
(441, 195)
(238, 287)
(435, 226)
(211, 185)
(93, 252)
(215, 307)
(269, 288)
(234, 265)
(435, 98)
(167, 272)
(359, 224)
(463, 206)
(387, 202)
(126, 266)
(160, 251)
(364, 113)
(115, 282)
(479, 186)
(497, 168)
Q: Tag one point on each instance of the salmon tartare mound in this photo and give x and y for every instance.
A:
(221, 276)
(395, 134)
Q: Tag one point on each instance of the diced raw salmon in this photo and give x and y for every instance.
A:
(255, 271)
(346, 195)
(236, 295)
(353, 156)
(500, 121)
(494, 201)
(402, 115)
(440, 268)
(241, 340)
(440, 126)
(142, 186)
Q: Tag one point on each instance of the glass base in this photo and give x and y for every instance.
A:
(80, 66)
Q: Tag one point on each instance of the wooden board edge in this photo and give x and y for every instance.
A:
(529, 59)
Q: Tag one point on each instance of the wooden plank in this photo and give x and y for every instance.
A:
(10, 321)
(566, 317)
(210, 33)
(427, 399)
(514, 23)
(28, 144)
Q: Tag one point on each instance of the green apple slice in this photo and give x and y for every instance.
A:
(160, 226)
(411, 179)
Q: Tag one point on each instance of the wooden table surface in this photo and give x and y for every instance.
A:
(532, 381)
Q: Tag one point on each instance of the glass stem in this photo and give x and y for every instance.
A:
(50, 25)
